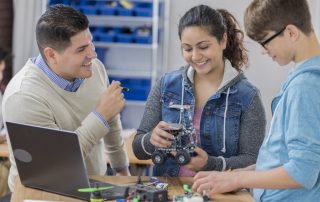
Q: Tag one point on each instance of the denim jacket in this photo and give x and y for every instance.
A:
(231, 141)
(220, 120)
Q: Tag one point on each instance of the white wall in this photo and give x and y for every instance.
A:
(262, 72)
(26, 15)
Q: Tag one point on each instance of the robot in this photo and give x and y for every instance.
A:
(184, 141)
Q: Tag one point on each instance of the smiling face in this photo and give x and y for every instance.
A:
(76, 60)
(201, 50)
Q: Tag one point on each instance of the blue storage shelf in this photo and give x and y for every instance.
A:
(107, 10)
(124, 12)
(123, 35)
(106, 34)
(89, 9)
(143, 35)
(143, 9)
(139, 87)
(52, 2)
(133, 34)
(101, 52)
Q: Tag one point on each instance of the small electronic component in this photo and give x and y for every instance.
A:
(189, 196)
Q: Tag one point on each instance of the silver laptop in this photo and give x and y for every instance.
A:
(49, 159)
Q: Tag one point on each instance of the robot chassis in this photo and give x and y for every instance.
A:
(180, 131)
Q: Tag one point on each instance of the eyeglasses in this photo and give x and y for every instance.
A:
(264, 43)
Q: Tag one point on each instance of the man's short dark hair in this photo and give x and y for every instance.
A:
(57, 25)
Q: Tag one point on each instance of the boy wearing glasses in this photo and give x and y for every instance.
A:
(288, 164)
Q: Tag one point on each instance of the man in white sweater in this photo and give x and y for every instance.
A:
(66, 87)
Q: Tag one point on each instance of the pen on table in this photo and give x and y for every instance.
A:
(124, 88)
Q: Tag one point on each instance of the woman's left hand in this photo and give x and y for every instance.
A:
(199, 161)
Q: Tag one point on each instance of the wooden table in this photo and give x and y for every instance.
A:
(4, 151)
(175, 187)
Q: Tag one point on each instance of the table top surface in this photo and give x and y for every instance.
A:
(22, 193)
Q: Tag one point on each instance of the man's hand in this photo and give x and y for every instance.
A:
(111, 101)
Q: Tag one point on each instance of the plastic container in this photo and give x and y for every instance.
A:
(93, 31)
(124, 11)
(89, 9)
(52, 2)
(143, 9)
(143, 35)
(101, 54)
(138, 87)
(73, 2)
(106, 34)
(124, 35)
(107, 7)
(107, 10)
(83, 2)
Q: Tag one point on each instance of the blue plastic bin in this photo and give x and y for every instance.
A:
(83, 2)
(106, 34)
(143, 9)
(124, 35)
(52, 2)
(95, 34)
(74, 2)
(139, 87)
(124, 38)
(143, 35)
(124, 12)
(107, 7)
(107, 10)
(89, 9)
(143, 39)
(101, 54)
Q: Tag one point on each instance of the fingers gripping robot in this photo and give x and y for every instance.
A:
(184, 134)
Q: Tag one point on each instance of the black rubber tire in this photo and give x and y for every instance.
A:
(158, 157)
(183, 157)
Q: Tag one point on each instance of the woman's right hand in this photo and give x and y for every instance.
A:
(160, 137)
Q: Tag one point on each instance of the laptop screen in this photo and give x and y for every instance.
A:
(49, 159)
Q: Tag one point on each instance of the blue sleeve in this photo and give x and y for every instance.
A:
(302, 127)
(101, 119)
